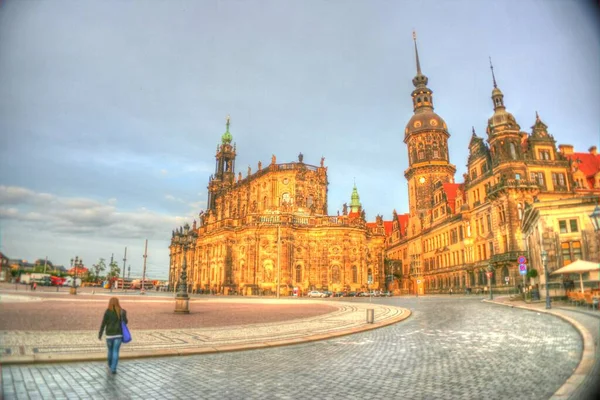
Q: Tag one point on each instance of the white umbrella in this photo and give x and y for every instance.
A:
(578, 267)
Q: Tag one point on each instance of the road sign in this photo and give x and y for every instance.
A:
(489, 274)
(522, 269)
(506, 278)
(522, 260)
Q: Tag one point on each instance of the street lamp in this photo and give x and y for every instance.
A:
(185, 238)
(544, 259)
(490, 274)
(595, 216)
(76, 263)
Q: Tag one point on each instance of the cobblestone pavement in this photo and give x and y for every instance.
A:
(450, 348)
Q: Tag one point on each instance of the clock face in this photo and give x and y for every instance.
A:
(285, 181)
(422, 179)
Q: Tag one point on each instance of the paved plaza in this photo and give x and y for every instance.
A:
(450, 347)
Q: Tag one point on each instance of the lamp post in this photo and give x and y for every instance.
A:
(75, 263)
(185, 238)
(490, 274)
(595, 216)
(544, 263)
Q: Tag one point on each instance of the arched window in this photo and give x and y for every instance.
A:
(335, 274)
(513, 151)
(369, 275)
(504, 273)
(436, 150)
(421, 151)
(354, 274)
(298, 273)
(520, 211)
(309, 201)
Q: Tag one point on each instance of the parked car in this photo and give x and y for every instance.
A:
(387, 294)
(351, 294)
(315, 293)
(327, 293)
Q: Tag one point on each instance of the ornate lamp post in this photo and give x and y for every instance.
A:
(185, 238)
(544, 263)
(77, 263)
(490, 275)
(595, 216)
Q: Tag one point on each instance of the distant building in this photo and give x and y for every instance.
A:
(455, 233)
(272, 225)
(5, 275)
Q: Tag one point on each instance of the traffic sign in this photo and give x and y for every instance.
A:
(489, 274)
(522, 260)
(523, 269)
(506, 278)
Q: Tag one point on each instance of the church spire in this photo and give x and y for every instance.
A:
(497, 96)
(355, 205)
(417, 53)
(422, 95)
(226, 138)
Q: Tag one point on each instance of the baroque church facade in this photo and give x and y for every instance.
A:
(272, 226)
(468, 235)
(522, 194)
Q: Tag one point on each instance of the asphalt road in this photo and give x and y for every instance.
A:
(450, 348)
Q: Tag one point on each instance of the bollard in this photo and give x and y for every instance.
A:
(370, 315)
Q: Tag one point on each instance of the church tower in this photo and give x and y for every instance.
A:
(224, 175)
(426, 137)
(505, 138)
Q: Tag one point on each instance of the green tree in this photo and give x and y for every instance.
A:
(114, 270)
(532, 273)
(99, 268)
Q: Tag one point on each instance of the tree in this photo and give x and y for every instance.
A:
(99, 267)
(114, 270)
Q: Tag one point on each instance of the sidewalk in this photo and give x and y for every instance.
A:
(21, 347)
(583, 384)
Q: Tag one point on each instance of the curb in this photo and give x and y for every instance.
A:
(586, 363)
(58, 358)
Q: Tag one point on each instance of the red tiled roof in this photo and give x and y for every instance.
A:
(589, 163)
(403, 223)
(388, 225)
(353, 214)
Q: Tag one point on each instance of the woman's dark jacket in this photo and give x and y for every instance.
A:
(112, 323)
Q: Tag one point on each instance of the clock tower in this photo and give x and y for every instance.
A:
(426, 136)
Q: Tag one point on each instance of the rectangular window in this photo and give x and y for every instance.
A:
(460, 233)
(491, 249)
(568, 226)
(573, 225)
(562, 225)
(488, 219)
(571, 251)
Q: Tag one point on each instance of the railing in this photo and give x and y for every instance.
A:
(509, 256)
(512, 183)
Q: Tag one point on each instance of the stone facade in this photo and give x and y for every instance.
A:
(272, 226)
(455, 233)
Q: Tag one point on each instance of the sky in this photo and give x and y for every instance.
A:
(111, 111)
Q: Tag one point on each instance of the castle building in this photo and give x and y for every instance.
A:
(272, 226)
(470, 234)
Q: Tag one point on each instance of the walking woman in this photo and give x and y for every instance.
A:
(113, 316)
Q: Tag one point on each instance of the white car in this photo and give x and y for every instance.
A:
(316, 293)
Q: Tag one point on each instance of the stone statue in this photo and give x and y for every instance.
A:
(239, 176)
(322, 162)
(259, 165)
(249, 171)
(345, 209)
(273, 159)
(300, 157)
(194, 225)
(363, 215)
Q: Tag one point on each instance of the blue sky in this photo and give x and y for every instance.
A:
(111, 111)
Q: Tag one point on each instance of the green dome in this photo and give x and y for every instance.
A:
(226, 138)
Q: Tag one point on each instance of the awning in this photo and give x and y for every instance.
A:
(577, 267)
